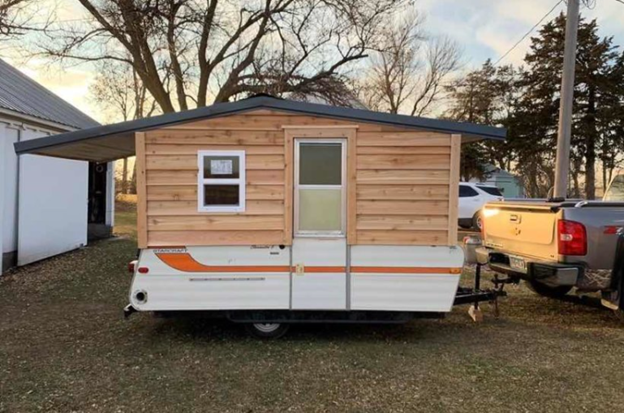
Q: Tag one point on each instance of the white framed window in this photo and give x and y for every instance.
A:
(221, 181)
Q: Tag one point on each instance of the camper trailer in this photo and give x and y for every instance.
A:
(269, 211)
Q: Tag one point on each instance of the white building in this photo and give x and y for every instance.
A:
(47, 206)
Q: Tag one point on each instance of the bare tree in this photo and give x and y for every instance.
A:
(188, 52)
(121, 95)
(408, 72)
(18, 17)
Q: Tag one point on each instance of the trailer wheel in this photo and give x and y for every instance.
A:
(547, 291)
(267, 330)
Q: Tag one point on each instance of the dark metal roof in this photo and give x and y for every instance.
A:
(21, 94)
(110, 142)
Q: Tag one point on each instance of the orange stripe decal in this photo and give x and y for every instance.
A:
(186, 263)
(311, 269)
(406, 270)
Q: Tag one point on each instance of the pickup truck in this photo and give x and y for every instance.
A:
(554, 246)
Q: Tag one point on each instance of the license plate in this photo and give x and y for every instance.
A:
(517, 263)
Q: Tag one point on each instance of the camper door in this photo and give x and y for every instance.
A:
(319, 251)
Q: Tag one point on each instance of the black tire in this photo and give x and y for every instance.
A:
(548, 291)
(267, 330)
(477, 221)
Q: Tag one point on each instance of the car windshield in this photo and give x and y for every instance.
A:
(490, 190)
(616, 189)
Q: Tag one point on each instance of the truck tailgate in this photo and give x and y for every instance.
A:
(523, 229)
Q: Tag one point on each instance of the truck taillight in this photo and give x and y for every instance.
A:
(132, 266)
(571, 237)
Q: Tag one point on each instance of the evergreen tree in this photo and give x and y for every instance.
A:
(537, 114)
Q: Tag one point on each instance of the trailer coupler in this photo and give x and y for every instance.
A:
(129, 310)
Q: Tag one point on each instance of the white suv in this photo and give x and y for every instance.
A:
(471, 198)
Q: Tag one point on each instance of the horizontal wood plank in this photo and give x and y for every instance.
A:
(216, 223)
(211, 137)
(265, 192)
(263, 122)
(402, 207)
(159, 208)
(207, 238)
(402, 177)
(401, 161)
(402, 192)
(193, 149)
(403, 139)
(402, 222)
(172, 177)
(402, 237)
(189, 192)
(172, 193)
(189, 162)
(403, 150)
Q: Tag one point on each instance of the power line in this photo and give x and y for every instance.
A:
(529, 32)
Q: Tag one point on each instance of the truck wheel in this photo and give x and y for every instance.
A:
(267, 330)
(477, 221)
(547, 291)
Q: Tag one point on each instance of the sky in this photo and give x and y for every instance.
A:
(482, 28)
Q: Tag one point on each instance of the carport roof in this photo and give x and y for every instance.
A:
(110, 142)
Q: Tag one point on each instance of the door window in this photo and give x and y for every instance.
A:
(319, 187)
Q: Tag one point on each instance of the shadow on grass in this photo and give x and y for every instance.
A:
(211, 330)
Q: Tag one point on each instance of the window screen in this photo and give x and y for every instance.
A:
(221, 181)
(466, 191)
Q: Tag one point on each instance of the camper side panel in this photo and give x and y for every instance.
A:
(171, 177)
(404, 188)
(402, 183)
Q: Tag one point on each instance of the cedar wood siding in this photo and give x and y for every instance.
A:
(402, 182)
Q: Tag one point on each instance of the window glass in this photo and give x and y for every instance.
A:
(221, 195)
(221, 167)
(320, 164)
(466, 191)
(490, 190)
(320, 209)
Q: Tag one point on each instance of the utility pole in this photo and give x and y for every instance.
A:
(562, 165)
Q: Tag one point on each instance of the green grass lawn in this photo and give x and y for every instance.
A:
(64, 347)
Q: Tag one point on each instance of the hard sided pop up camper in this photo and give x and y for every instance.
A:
(269, 211)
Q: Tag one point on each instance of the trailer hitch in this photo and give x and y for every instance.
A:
(475, 295)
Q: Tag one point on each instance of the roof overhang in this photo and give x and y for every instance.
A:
(110, 142)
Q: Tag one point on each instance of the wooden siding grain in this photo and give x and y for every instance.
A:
(403, 188)
(398, 188)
